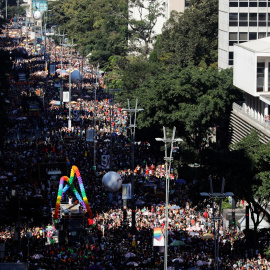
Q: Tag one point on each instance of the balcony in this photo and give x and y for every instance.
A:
(242, 121)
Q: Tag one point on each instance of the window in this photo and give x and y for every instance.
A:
(253, 19)
(260, 76)
(243, 19)
(243, 36)
(187, 3)
(233, 4)
(253, 4)
(252, 36)
(233, 19)
(261, 35)
(262, 4)
(262, 19)
(244, 4)
(233, 38)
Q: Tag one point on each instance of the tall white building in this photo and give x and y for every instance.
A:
(243, 43)
(240, 21)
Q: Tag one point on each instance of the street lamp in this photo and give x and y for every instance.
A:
(167, 159)
(221, 196)
(62, 37)
(132, 127)
(71, 45)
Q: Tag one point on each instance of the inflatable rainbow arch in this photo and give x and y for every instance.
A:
(69, 184)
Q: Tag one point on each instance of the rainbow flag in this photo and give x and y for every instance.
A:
(158, 239)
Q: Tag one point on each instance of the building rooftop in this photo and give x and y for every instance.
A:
(258, 46)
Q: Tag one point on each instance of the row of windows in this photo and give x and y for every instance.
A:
(249, 19)
(235, 37)
(249, 0)
(250, 4)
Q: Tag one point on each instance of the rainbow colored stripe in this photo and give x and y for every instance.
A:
(69, 181)
(158, 234)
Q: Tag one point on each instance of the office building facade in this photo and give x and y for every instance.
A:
(240, 21)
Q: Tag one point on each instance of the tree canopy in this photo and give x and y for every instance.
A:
(190, 37)
(97, 26)
(193, 99)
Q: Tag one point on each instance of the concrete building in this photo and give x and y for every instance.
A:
(252, 75)
(240, 21)
(242, 44)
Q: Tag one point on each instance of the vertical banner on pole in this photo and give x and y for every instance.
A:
(158, 237)
(52, 69)
(57, 83)
(66, 96)
(89, 135)
(126, 191)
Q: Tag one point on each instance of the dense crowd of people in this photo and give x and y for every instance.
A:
(40, 136)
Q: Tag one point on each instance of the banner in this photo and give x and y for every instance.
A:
(33, 35)
(126, 191)
(66, 96)
(105, 162)
(52, 69)
(158, 237)
(89, 135)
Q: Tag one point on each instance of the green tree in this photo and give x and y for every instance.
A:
(192, 99)
(98, 26)
(248, 169)
(143, 17)
(190, 37)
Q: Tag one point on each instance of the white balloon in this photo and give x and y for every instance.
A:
(76, 76)
(112, 181)
(37, 15)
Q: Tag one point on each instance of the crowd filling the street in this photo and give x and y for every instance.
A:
(39, 146)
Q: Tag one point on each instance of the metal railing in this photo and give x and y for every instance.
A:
(251, 116)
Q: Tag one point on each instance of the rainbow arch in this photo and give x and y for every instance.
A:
(69, 184)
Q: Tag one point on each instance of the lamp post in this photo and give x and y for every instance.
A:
(95, 116)
(62, 36)
(167, 159)
(6, 9)
(132, 127)
(14, 194)
(71, 45)
(221, 196)
(111, 106)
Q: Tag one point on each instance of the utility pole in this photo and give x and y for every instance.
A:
(71, 45)
(132, 127)
(212, 196)
(62, 37)
(95, 107)
(167, 171)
